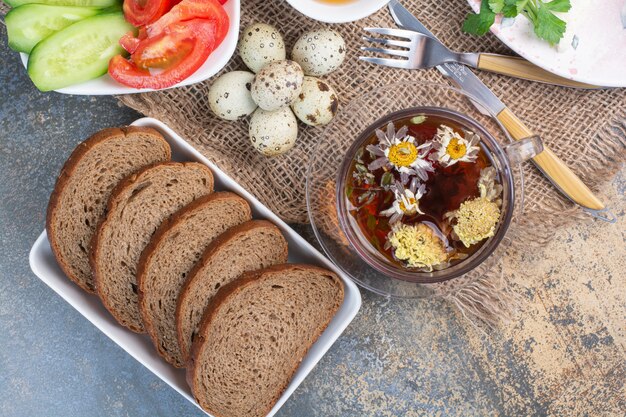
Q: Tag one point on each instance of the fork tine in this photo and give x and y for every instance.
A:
(395, 63)
(398, 33)
(393, 52)
(390, 42)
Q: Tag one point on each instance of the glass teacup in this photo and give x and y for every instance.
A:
(326, 181)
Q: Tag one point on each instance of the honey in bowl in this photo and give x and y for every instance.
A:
(423, 192)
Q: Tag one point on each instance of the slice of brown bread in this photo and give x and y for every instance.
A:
(84, 185)
(254, 335)
(136, 208)
(250, 246)
(173, 250)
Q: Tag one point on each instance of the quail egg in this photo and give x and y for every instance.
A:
(273, 132)
(319, 52)
(317, 102)
(261, 44)
(229, 96)
(277, 85)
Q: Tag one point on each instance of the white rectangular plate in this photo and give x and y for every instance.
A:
(44, 265)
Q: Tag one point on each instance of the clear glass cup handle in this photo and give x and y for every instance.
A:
(524, 149)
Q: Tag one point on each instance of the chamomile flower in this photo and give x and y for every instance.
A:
(406, 201)
(418, 245)
(476, 219)
(398, 151)
(451, 147)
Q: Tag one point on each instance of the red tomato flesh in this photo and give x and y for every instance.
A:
(129, 42)
(193, 9)
(142, 12)
(176, 53)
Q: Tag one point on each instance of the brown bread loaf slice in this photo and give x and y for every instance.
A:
(254, 335)
(252, 245)
(136, 208)
(173, 250)
(84, 185)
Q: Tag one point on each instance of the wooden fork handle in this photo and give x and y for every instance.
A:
(552, 167)
(521, 68)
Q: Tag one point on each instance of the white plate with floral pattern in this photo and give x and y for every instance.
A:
(593, 50)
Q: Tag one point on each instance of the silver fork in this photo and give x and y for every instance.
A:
(418, 50)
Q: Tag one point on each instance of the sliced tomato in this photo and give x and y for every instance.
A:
(129, 42)
(164, 50)
(167, 59)
(193, 9)
(142, 12)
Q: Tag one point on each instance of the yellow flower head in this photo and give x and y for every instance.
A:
(452, 147)
(456, 149)
(476, 220)
(417, 245)
(402, 154)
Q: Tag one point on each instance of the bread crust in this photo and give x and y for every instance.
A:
(111, 204)
(155, 241)
(66, 173)
(231, 289)
(207, 256)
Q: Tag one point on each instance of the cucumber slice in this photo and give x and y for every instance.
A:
(92, 3)
(29, 24)
(78, 53)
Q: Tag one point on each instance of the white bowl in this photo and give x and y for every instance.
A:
(105, 85)
(337, 13)
(139, 346)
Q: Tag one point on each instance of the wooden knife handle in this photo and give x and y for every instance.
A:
(553, 167)
(521, 68)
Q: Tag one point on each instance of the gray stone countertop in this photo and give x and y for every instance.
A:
(398, 358)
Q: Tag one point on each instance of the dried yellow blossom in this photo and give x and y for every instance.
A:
(418, 245)
(476, 220)
(403, 154)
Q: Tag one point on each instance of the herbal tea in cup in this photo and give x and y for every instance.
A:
(421, 191)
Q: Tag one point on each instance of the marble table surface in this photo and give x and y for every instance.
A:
(565, 352)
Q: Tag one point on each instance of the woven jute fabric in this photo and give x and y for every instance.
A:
(587, 129)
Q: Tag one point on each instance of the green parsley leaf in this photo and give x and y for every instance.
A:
(496, 5)
(479, 24)
(559, 5)
(512, 8)
(547, 25)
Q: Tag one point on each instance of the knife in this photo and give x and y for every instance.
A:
(553, 168)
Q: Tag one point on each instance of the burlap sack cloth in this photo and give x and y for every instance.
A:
(587, 129)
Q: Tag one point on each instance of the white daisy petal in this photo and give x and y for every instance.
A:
(381, 135)
(377, 164)
(402, 132)
(375, 150)
(391, 131)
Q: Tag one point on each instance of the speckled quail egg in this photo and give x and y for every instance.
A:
(277, 85)
(317, 102)
(261, 44)
(229, 96)
(319, 52)
(273, 132)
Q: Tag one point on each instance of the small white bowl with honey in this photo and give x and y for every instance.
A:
(337, 11)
